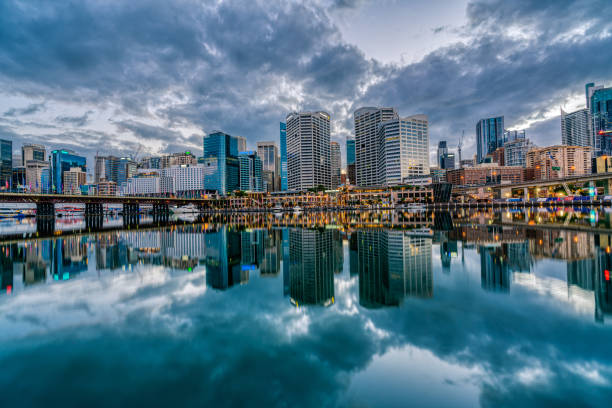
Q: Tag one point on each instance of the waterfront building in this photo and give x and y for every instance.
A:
(576, 128)
(250, 172)
(63, 161)
(367, 121)
(72, 180)
(142, 185)
(600, 103)
(516, 151)
(99, 168)
(283, 157)
(126, 169)
(350, 160)
(32, 152)
(437, 174)
(34, 175)
(221, 166)
(268, 153)
(19, 178)
(6, 164)
(106, 188)
(336, 165)
(182, 179)
(403, 150)
(308, 150)
(486, 173)
(559, 161)
(489, 136)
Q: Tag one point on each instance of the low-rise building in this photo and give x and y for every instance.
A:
(486, 173)
(559, 161)
(72, 180)
(106, 188)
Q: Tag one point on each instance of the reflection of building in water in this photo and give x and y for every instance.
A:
(392, 265)
(338, 252)
(36, 263)
(110, 253)
(562, 244)
(311, 267)
(69, 257)
(286, 263)
(252, 247)
(494, 272)
(517, 256)
(491, 234)
(603, 284)
(448, 250)
(270, 265)
(353, 254)
(223, 269)
(581, 273)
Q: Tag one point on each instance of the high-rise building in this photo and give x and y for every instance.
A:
(177, 159)
(99, 168)
(403, 150)
(62, 161)
(72, 180)
(559, 161)
(283, 157)
(442, 150)
(268, 153)
(489, 136)
(32, 152)
(34, 175)
(447, 161)
(336, 164)
(601, 114)
(516, 151)
(6, 164)
(367, 121)
(576, 128)
(512, 135)
(221, 166)
(182, 180)
(350, 160)
(308, 150)
(250, 172)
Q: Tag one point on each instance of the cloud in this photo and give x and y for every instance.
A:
(78, 121)
(28, 110)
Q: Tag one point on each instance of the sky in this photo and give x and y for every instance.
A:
(154, 76)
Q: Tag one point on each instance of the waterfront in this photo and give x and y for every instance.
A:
(469, 308)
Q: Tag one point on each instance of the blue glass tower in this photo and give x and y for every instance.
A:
(61, 161)
(489, 136)
(601, 114)
(350, 151)
(221, 165)
(283, 156)
(6, 164)
(251, 169)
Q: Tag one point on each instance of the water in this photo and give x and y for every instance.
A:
(493, 309)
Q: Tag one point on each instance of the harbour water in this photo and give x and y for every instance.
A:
(379, 309)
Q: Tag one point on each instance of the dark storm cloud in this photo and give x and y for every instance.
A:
(78, 121)
(241, 66)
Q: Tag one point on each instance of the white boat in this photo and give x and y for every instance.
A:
(297, 209)
(187, 209)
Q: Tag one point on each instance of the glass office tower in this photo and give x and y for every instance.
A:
(6, 164)
(221, 165)
(283, 156)
(489, 136)
(61, 161)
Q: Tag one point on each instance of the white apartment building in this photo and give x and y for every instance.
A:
(178, 179)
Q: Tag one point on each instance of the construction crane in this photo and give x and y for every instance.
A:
(459, 146)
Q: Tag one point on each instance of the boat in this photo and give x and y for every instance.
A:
(297, 209)
(187, 209)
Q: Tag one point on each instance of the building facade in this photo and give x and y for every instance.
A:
(447, 161)
(516, 151)
(489, 136)
(34, 175)
(308, 150)
(72, 180)
(350, 160)
(403, 151)
(221, 166)
(268, 153)
(185, 178)
(366, 122)
(601, 115)
(6, 164)
(251, 169)
(576, 128)
(283, 156)
(485, 174)
(63, 161)
(559, 161)
(32, 152)
(336, 165)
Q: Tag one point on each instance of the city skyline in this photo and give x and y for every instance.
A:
(94, 95)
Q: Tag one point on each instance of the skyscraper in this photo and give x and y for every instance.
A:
(283, 156)
(403, 149)
(221, 166)
(601, 115)
(575, 128)
(350, 160)
(447, 161)
(516, 151)
(268, 153)
(6, 164)
(308, 150)
(442, 150)
(63, 161)
(336, 164)
(489, 136)
(32, 152)
(366, 142)
(250, 172)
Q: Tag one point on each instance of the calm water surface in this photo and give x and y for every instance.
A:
(491, 310)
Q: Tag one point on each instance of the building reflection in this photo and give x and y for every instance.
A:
(392, 265)
(312, 262)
